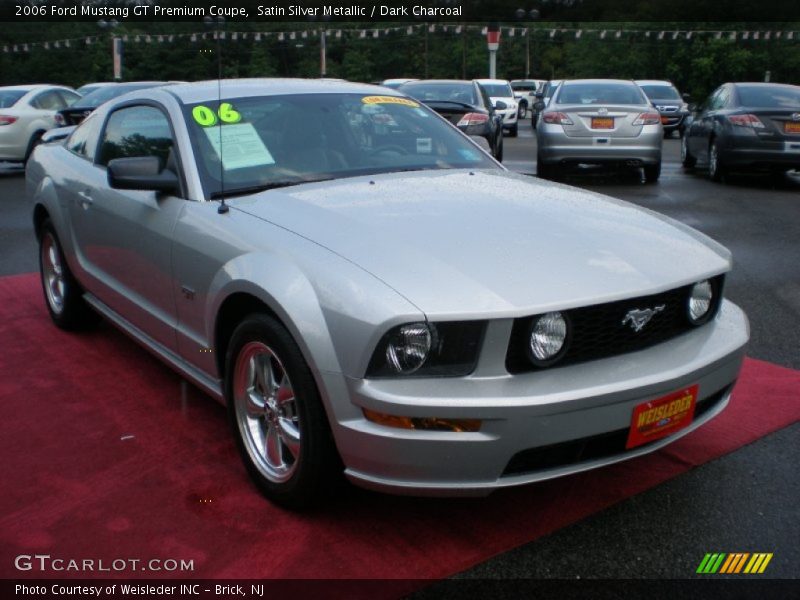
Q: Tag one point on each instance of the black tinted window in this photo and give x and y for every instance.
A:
(770, 97)
(448, 92)
(136, 131)
(661, 92)
(600, 93)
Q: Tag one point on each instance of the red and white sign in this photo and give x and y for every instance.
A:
(493, 39)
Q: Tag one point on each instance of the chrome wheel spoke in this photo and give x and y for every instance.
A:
(274, 453)
(290, 435)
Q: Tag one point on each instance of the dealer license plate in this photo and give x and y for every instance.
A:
(662, 417)
(791, 127)
(602, 122)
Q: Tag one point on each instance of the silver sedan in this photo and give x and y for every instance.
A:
(599, 121)
(371, 294)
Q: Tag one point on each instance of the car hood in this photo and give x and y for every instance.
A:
(459, 244)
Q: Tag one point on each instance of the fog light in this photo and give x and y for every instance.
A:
(409, 347)
(422, 423)
(700, 301)
(548, 337)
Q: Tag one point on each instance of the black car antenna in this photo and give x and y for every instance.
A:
(219, 31)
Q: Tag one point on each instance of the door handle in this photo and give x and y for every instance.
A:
(85, 199)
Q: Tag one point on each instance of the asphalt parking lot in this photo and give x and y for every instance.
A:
(744, 501)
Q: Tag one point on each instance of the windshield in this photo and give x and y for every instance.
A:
(600, 93)
(498, 90)
(770, 97)
(106, 93)
(272, 141)
(9, 98)
(448, 91)
(661, 92)
(523, 87)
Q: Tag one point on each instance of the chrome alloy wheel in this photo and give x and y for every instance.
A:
(266, 412)
(53, 273)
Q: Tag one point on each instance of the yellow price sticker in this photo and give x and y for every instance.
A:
(206, 117)
(389, 100)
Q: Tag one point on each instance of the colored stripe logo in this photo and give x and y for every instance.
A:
(734, 563)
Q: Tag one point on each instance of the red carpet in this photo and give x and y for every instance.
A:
(103, 459)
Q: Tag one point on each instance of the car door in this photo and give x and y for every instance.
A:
(704, 124)
(124, 236)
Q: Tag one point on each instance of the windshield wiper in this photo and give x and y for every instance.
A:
(254, 189)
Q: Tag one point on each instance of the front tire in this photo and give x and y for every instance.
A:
(498, 152)
(523, 110)
(276, 415)
(62, 293)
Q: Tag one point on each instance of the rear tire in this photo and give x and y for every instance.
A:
(652, 172)
(546, 170)
(716, 169)
(62, 293)
(277, 417)
(687, 160)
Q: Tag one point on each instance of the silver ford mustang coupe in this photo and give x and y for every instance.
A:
(370, 293)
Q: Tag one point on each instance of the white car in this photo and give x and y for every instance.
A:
(525, 93)
(26, 112)
(499, 90)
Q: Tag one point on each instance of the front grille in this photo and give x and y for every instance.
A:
(590, 448)
(598, 331)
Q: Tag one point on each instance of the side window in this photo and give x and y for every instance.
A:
(722, 98)
(68, 97)
(714, 100)
(136, 131)
(49, 100)
(83, 141)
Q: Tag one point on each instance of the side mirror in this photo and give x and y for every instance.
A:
(539, 105)
(500, 105)
(142, 173)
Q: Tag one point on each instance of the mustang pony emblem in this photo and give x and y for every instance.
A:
(639, 318)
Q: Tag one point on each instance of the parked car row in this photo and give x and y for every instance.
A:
(741, 126)
(27, 112)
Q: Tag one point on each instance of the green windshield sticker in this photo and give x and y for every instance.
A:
(239, 146)
(206, 117)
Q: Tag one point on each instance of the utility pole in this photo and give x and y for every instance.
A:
(426, 50)
(323, 69)
(493, 42)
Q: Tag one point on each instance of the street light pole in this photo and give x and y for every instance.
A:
(323, 68)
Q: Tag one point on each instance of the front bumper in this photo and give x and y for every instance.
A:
(509, 117)
(522, 413)
(554, 146)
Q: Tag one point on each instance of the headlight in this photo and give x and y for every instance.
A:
(409, 347)
(548, 338)
(448, 349)
(700, 301)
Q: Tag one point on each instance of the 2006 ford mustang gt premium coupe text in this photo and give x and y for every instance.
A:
(380, 296)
